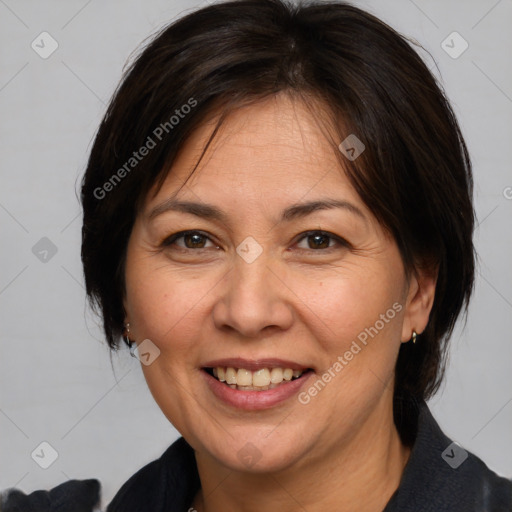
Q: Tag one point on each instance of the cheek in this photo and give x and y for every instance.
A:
(362, 306)
(168, 307)
(163, 304)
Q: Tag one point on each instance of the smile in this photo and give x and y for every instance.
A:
(255, 384)
(261, 379)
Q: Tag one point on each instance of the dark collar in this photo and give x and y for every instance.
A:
(169, 483)
(439, 477)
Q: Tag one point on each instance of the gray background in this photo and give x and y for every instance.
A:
(57, 382)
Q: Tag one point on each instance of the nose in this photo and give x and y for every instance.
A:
(254, 301)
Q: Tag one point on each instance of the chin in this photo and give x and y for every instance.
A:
(251, 459)
(249, 451)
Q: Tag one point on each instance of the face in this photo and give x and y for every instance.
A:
(266, 266)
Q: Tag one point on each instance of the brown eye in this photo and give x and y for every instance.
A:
(317, 240)
(189, 240)
(194, 241)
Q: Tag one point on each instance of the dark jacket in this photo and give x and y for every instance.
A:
(440, 476)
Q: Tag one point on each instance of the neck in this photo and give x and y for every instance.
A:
(361, 474)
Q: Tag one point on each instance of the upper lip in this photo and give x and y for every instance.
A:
(255, 364)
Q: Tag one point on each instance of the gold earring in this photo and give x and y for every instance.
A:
(126, 333)
(414, 336)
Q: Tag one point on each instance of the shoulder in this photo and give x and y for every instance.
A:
(473, 484)
(168, 483)
(442, 476)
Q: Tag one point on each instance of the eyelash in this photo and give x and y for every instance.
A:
(338, 240)
(171, 239)
(317, 232)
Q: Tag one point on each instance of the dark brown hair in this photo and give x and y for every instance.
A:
(414, 175)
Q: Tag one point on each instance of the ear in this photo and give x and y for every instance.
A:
(420, 298)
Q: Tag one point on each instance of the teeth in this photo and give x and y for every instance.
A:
(288, 374)
(276, 375)
(244, 378)
(230, 375)
(259, 380)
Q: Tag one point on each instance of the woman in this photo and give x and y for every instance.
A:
(278, 221)
(278, 215)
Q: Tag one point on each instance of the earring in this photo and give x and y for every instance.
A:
(414, 336)
(132, 346)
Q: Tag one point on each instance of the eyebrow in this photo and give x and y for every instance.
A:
(295, 211)
(198, 209)
(303, 209)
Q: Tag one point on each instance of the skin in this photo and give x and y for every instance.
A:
(303, 299)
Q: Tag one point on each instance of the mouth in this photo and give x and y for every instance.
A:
(255, 385)
(258, 379)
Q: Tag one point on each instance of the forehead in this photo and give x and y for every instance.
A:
(277, 149)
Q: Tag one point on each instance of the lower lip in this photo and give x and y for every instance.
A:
(255, 400)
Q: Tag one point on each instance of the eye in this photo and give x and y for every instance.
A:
(189, 240)
(317, 240)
